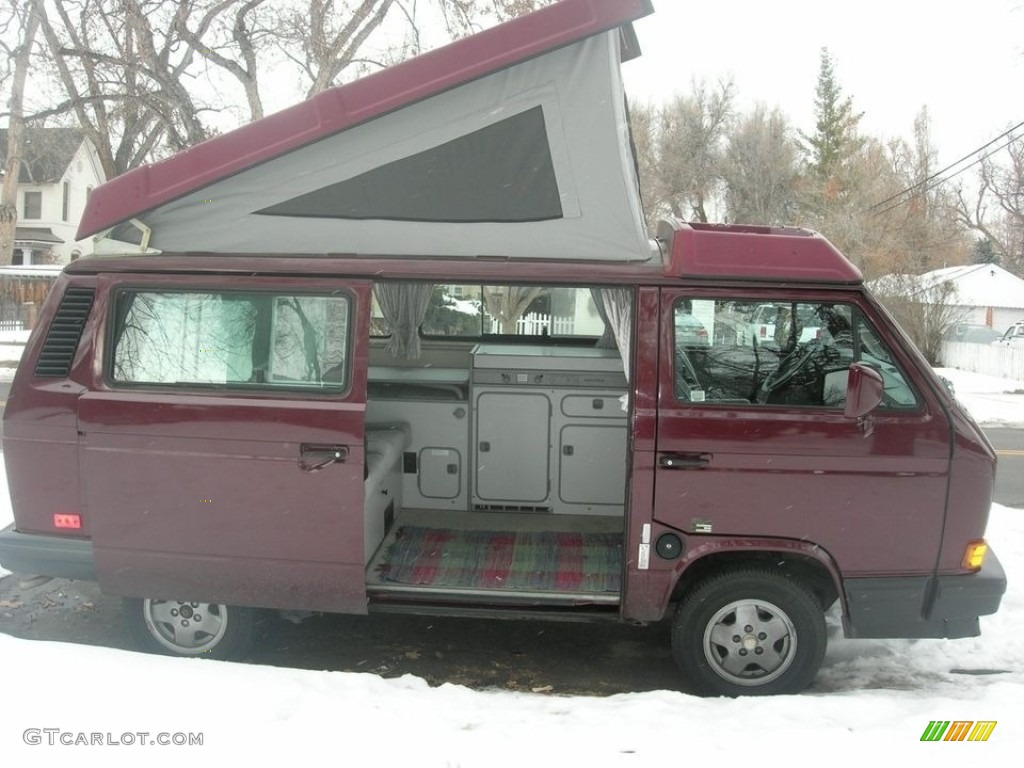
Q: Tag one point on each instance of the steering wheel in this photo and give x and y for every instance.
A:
(789, 366)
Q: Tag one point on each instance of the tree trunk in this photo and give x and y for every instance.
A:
(12, 166)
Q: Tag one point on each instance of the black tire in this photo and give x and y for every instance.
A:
(180, 628)
(777, 649)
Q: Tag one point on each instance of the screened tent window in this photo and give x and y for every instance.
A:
(790, 353)
(231, 339)
(33, 205)
(500, 173)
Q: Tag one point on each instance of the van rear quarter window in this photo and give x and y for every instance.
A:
(230, 338)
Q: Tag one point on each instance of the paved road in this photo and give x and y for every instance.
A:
(1009, 445)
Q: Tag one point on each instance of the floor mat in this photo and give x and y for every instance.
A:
(530, 560)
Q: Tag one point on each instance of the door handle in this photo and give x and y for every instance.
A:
(684, 460)
(313, 457)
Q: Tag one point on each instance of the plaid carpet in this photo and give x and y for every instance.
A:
(539, 560)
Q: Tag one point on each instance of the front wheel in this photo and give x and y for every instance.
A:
(749, 632)
(183, 628)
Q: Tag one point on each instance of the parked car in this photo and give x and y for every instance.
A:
(770, 324)
(1013, 336)
(690, 332)
(972, 333)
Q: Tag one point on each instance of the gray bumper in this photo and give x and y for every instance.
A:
(47, 555)
(925, 606)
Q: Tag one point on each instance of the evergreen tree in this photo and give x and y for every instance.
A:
(835, 138)
(985, 252)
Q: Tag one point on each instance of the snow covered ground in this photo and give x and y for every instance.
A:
(872, 701)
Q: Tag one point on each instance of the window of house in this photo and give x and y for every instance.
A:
(33, 205)
(787, 353)
(66, 201)
(230, 338)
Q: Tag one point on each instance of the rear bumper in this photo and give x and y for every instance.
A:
(47, 555)
(925, 606)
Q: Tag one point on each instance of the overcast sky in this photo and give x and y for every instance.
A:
(964, 60)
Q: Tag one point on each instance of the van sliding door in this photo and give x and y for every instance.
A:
(222, 451)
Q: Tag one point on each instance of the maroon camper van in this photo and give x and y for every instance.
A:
(408, 347)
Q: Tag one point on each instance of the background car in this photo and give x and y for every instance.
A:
(1013, 336)
(972, 333)
(690, 332)
(766, 319)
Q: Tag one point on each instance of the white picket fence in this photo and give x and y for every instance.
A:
(1006, 362)
(536, 324)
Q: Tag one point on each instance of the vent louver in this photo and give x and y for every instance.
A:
(64, 333)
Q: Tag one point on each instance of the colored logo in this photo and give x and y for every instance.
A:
(958, 730)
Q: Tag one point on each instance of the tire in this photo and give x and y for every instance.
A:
(178, 628)
(749, 632)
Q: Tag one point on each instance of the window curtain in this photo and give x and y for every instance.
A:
(615, 306)
(404, 305)
(607, 340)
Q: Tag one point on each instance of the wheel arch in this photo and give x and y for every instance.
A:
(807, 563)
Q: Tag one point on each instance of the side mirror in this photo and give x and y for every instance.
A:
(863, 391)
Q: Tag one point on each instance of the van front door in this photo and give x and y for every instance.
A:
(222, 444)
(752, 440)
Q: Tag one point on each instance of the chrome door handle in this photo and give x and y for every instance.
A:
(313, 457)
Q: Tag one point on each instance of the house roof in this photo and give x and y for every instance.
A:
(513, 142)
(46, 153)
(977, 285)
(36, 235)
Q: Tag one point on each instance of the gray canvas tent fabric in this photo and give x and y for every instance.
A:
(533, 161)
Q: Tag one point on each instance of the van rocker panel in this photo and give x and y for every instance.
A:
(58, 556)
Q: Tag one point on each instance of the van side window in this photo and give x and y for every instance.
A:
(230, 338)
(789, 353)
(501, 312)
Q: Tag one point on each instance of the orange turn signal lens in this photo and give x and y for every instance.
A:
(974, 555)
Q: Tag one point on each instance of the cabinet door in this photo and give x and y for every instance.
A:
(512, 446)
(440, 473)
(593, 465)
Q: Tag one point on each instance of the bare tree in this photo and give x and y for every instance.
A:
(233, 35)
(144, 78)
(18, 15)
(680, 150)
(508, 303)
(760, 169)
(925, 312)
(997, 208)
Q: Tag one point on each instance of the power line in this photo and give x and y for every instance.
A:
(941, 181)
(937, 174)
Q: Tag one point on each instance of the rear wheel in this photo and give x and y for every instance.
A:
(749, 632)
(183, 628)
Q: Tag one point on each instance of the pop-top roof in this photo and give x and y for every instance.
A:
(511, 143)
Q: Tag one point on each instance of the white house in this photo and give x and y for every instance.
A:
(59, 169)
(983, 294)
(986, 293)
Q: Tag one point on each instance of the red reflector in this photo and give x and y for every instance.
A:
(67, 521)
